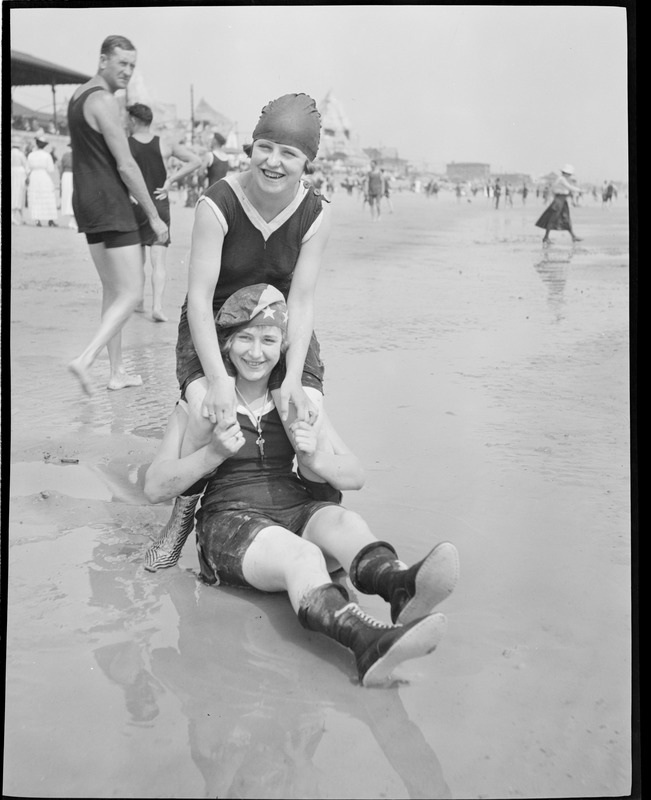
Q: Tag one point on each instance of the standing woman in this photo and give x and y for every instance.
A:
(264, 225)
(41, 194)
(18, 181)
(556, 217)
(66, 187)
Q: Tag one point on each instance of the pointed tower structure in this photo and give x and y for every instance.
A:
(338, 141)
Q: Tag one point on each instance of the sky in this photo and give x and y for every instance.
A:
(522, 88)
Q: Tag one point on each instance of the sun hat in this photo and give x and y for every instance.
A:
(292, 119)
(568, 169)
(260, 304)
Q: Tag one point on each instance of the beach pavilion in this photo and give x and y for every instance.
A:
(27, 70)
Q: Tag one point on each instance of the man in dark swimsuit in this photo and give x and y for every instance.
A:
(374, 190)
(216, 162)
(152, 154)
(105, 176)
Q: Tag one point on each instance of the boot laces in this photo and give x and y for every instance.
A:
(363, 616)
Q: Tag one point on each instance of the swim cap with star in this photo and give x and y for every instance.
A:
(261, 304)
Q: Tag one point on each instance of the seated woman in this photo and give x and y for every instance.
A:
(259, 526)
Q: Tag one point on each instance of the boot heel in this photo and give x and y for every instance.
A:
(422, 638)
(435, 579)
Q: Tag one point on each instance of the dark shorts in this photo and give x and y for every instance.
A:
(147, 236)
(112, 239)
(223, 537)
(188, 365)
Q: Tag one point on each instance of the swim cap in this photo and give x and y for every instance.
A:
(292, 119)
(261, 304)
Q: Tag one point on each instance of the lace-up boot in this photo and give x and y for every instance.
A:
(412, 591)
(166, 550)
(378, 647)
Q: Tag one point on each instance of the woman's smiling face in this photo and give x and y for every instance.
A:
(277, 167)
(255, 351)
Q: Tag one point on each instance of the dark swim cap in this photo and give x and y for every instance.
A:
(292, 119)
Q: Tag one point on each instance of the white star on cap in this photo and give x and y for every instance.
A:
(269, 312)
(268, 295)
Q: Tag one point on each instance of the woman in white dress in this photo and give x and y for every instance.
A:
(41, 192)
(66, 187)
(18, 181)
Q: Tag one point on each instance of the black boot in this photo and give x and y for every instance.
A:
(378, 648)
(166, 550)
(412, 591)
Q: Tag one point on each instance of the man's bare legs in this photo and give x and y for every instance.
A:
(158, 255)
(140, 308)
(121, 272)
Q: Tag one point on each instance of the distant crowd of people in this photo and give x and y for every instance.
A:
(41, 182)
(51, 175)
(39, 125)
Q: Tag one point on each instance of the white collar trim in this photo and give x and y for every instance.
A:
(268, 406)
(265, 228)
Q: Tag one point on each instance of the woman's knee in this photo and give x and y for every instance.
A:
(199, 427)
(305, 557)
(277, 558)
(199, 430)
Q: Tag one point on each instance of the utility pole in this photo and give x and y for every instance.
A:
(192, 113)
(54, 107)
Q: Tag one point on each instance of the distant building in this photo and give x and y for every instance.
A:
(514, 178)
(387, 158)
(467, 171)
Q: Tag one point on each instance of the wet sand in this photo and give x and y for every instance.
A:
(484, 382)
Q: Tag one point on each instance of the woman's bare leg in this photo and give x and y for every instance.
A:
(279, 561)
(339, 533)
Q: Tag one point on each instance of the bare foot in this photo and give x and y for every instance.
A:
(140, 309)
(158, 316)
(123, 381)
(82, 376)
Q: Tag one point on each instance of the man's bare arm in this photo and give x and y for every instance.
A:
(102, 113)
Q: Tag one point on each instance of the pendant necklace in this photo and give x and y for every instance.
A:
(257, 419)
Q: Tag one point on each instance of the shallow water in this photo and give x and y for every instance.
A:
(484, 382)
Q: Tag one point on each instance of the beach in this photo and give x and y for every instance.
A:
(484, 382)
